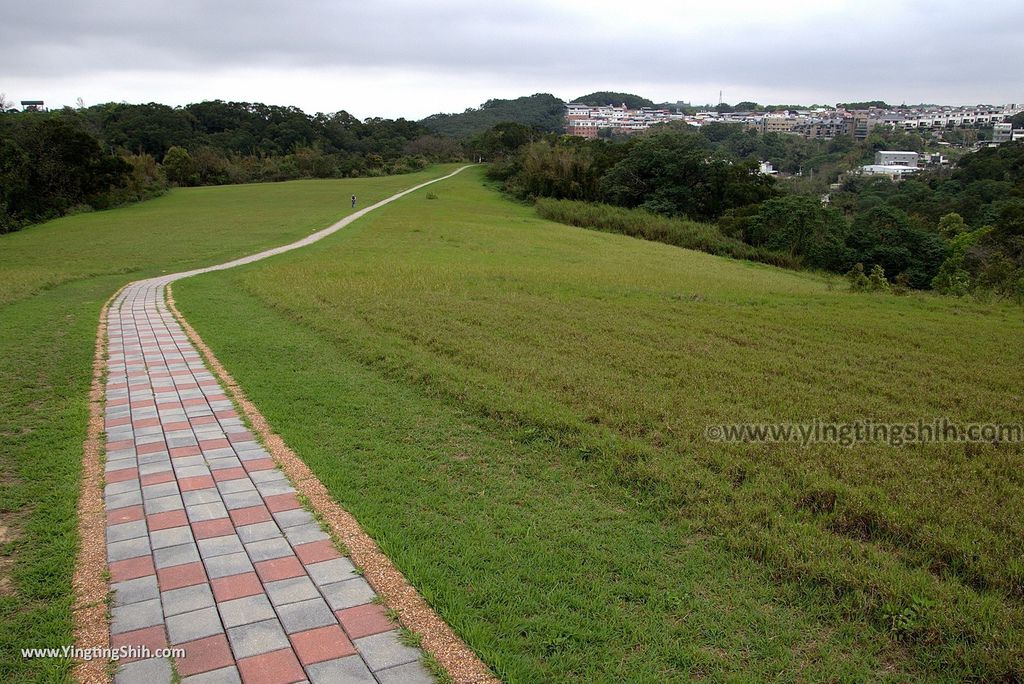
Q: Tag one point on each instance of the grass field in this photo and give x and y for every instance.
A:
(54, 279)
(515, 410)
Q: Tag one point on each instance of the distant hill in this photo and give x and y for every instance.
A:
(605, 97)
(542, 111)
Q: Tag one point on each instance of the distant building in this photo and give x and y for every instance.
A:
(894, 171)
(767, 169)
(33, 106)
(896, 158)
(1018, 134)
(1002, 132)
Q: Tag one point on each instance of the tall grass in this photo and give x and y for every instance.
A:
(650, 226)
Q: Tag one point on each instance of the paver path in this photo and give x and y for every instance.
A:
(208, 547)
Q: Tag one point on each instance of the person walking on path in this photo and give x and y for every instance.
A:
(353, 201)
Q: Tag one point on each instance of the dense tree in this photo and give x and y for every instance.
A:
(885, 236)
(50, 165)
(604, 97)
(675, 173)
(802, 227)
(543, 112)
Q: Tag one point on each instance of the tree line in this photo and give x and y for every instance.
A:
(91, 158)
(954, 230)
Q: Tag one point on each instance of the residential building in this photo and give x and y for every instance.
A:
(1002, 132)
(896, 158)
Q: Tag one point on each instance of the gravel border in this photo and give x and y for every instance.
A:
(89, 611)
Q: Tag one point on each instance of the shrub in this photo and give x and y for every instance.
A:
(858, 280)
(647, 225)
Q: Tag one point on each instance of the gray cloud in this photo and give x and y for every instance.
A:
(940, 51)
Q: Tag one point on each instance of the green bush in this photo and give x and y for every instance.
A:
(647, 225)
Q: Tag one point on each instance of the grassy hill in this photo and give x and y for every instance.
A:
(541, 111)
(54, 278)
(517, 411)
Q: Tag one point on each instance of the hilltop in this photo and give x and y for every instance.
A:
(541, 111)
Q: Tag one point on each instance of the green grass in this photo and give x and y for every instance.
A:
(515, 410)
(54, 279)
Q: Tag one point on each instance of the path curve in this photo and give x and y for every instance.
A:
(208, 545)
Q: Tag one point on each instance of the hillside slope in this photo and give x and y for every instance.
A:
(517, 411)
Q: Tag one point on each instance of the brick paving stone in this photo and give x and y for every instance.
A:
(304, 534)
(162, 521)
(223, 463)
(293, 518)
(122, 487)
(291, 590)
(155, 491)
(351, 592)
(114, 501)
(200, 496)
(175, 555)
(187, 599)
(256, 638)
(385, 650)
(135, 590)
(135, 616)
(209, 511)
(164, 504)
(236, 586)
(189, 484)
(220, 546)
(122, 475)
(328, 572)
(280, 568)
(131, 568)
(350, 670)
(193, 625)
(243, 611)
(276, 667)
(129, 548)
(229, 474)
(124, 531)
(158, 477)
(225, 675)
(181, 576)
(209, 654)
(229, 564)
(242, 484)
(303, 615)
(282, 502)
(258, 531)
(172, 536)
(314, 552)
(320, 644)
(268, 549)
(149, 637)
(258, 464)
(248, 516)
(364, 620)
(244, 499)
(212, 528)
(150, 671)
(410, 673)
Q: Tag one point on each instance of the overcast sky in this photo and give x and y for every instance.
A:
(403, 58)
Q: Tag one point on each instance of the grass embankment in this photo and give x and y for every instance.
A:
(639, 223)
(515, 410)
(53, 280)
